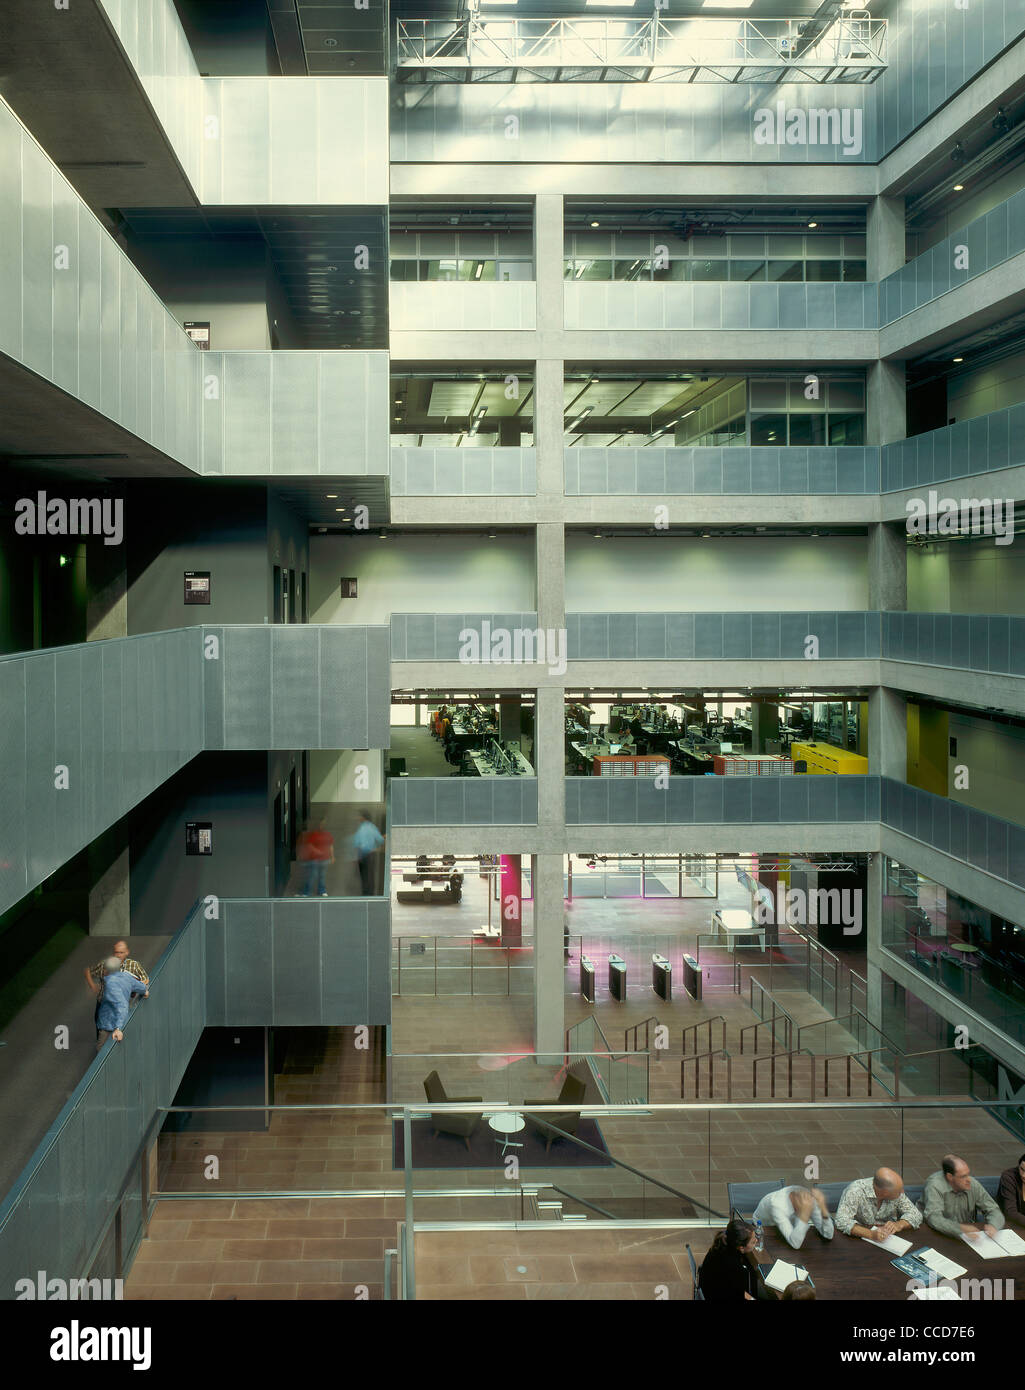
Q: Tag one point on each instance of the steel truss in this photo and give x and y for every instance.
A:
(845, 49)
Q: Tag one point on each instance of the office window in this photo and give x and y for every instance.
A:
(442, 269)
(768, 429)
(807, 429)
(853, 270)
(701, 269)
(847, 429)
(405, 270)
(638, 268)
(822, 270)
(677, 269)
(747, 270)
(785, 270)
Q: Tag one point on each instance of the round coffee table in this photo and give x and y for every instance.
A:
(509, 1122)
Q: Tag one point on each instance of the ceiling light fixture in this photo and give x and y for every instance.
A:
(813, 224)
(958, 187)
(958, 359)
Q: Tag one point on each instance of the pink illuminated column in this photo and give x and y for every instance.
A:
(511, 900)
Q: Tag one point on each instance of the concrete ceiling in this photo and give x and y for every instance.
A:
(335, 305)
(67, 79)
(330, 38)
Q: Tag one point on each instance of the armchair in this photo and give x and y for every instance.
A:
(463, 1126)
(572, 1093)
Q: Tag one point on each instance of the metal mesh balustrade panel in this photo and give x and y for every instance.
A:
(14, 830)
(622, 636)
(651, 636)
(293, 410)
(40, 806)
(71, 827)
(593, 638)
(246, 665)
(248, 422)
(296, 689)
(248, 939)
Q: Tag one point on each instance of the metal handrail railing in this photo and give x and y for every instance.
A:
(899, 1058)
(772, 1058)
(778, 1014)
(708, 1023)
(697, 1059)
(645, 1024)
(849, 1057)
(842, 1018)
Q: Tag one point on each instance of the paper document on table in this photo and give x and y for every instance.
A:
(1010, 1242)
(939, 1291)
(781, 1274)
(992, 1247)
(894, 1244)
(939, 1264)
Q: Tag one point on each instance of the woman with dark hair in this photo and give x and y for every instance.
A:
(1011, 1193)
(729, 1272)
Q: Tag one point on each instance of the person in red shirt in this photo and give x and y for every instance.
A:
(317, 851)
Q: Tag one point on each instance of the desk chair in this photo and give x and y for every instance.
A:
(744, 1196)
(915, 1193)
(992, 1185)
(699, 1297)
(832, 1191)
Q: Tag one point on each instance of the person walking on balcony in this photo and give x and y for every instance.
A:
(316, 850)
(366, 841)
(118, 987)
(94, 973)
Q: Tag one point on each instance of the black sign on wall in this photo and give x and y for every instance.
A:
(199, 837)
(197, 586)
(348, 588)
(200, 334)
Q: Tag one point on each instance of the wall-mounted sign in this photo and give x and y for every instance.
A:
(197, 586)
(199, 837)
(348, 588)
(200, 334)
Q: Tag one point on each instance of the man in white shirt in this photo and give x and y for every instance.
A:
(792, 1210)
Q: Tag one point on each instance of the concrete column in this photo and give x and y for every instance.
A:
(110, 910)
(874, 936)
(548, 431)
(509, 717)
(886, 403)
(548, 258)
(550, 757)
(511, 899)
(886, 239)
(887, 733)
(107, 603)
(549, 961)
(764, 724)
(550, 555)
(887, 568)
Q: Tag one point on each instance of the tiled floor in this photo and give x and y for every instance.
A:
(568, 1264)
(312, 1247)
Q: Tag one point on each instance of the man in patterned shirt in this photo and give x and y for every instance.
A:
(94, 975)
(877, 1207)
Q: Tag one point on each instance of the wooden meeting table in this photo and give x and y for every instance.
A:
(848, 1267)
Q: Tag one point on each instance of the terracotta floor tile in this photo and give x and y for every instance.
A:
(245, 1292)
(263, 1249)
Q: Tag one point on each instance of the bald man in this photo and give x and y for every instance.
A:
(876, 1207)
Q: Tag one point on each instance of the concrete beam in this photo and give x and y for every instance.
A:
(987, 298)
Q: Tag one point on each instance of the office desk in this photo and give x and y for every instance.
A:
(848, 1267)
(729, 923)
(593, 750)
(485, 769)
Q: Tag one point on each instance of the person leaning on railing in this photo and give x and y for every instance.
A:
(118, 988)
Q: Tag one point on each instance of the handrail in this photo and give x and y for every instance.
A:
(848, 1057)
(773, 1058)
(633, 1029)
(703, 1023)
(50, 1138)
(788, 1027)
(563, 1192)
(697, 1059)
(646, 1177)
(842, 1018)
